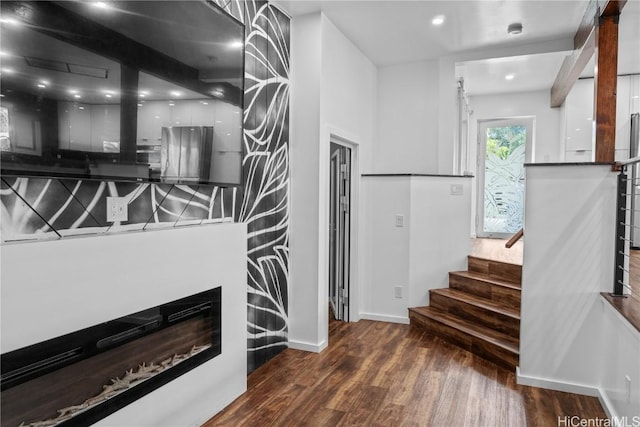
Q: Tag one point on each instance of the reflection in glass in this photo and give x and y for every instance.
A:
(87, 93)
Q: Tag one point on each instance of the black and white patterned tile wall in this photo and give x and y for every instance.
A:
(64, 207)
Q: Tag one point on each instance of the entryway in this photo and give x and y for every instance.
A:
(502, 152)
(339, 230)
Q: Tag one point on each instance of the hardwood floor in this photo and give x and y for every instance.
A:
(384, 374)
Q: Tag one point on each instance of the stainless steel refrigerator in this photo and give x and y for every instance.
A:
(186, 153)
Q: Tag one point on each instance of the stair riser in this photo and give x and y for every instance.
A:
(507, 272)
(484, 349)
(496, 321)
(497, 293)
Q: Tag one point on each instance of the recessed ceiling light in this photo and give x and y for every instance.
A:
(438, 20)
(236, 44)
(515, 28)
(100, 5)
(41, 86)
(7, 70)
(175, 93)
(510, 77)
(4, 53)
(108, 95)
(44, 82)
(77, 96)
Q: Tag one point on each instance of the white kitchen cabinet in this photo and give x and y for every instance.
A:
(152, 116)
(105, 128)
(579, 124)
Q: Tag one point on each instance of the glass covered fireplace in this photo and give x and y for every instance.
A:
(81, 377)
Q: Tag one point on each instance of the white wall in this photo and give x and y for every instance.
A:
(565, 337)
(333, 94)
(621, 358)
(439, 233)
(418, 256)
(407, 119)
(304, 183)
(52, 288)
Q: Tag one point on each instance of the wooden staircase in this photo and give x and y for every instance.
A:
(479, 311)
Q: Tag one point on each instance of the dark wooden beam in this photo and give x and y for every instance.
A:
(605, 83)
(128, 113)
(584, 45)
(571, 69)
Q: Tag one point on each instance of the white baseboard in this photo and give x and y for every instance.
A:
(607, 405)
(556, 385)
(384, 318)
(307, 346)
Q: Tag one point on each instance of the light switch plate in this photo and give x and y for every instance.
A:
(397, 291)
(117, 209)
(399, 220)
(456, 190)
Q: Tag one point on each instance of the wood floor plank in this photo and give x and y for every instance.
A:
(382, 374)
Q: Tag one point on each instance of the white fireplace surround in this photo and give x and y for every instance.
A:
(51, 288)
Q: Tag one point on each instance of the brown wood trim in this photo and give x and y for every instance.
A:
(512, 241)
(586, 25)
(606, 80)
(628, 307)
(585, 42)
(571, 69)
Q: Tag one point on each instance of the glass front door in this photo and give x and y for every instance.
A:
(503, 145)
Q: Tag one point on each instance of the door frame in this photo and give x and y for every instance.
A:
(339, 137)
(529, 122)
(335, 301)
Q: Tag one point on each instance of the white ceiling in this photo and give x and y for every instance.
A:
(392, 32)
(531, 72)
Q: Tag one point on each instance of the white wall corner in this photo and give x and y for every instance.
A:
(385, 318)
(307, 346)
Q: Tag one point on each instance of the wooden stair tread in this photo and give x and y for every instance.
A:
(495, 261)
(486, 278)
(478, 302)
(480, 332)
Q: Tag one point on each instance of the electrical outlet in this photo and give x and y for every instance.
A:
(397, 291)
(456, 189)
(117, 209)
(399, 220)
